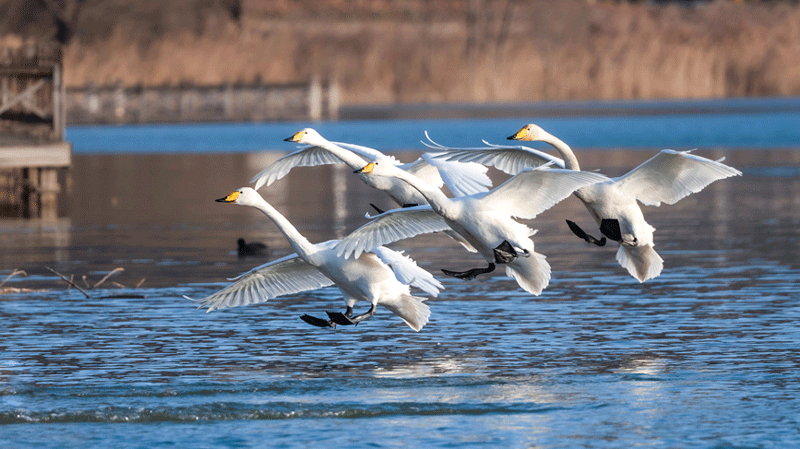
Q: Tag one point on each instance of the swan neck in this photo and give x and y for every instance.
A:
(435, 198)
(353, 160)
(570, 161)
(299, 243)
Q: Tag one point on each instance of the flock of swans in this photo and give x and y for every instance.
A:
(482, 219)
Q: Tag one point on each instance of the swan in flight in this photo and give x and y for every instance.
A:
(485, 220)
(381, 276)
(665, 178)
(460, 178)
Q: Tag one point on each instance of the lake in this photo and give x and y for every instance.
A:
(705, 355)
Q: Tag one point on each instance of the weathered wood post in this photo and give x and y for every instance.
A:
(315, 99)
(333, 99)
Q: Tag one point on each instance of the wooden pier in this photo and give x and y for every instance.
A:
(33, 153)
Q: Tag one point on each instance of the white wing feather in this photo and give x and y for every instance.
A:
(283, 276)
(535, 190)
(462, 178)
(671, 175)
(407, 271)
(391, 226)
(425, 171)
(511, 159)
(305, 157)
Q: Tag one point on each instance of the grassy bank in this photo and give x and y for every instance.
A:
(472, 51)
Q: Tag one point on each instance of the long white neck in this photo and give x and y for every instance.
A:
(300, 244)
(353, 160)
(570, 161)
(437, 200)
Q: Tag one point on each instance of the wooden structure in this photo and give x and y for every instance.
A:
(33, 152)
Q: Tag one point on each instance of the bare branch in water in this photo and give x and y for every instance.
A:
(15, 273)
(140, 283)
(68, 281)
(114, 271)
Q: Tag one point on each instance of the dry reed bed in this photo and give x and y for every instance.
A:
(518, 51)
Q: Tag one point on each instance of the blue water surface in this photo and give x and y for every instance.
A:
(717, 127)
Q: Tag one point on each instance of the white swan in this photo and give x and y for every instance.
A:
(483, 219)
(381, 276)
(460, 178)
(665, 178)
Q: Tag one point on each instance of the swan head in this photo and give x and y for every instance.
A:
(379, 168)
(244, 196)
(308, 136)
(530, 132)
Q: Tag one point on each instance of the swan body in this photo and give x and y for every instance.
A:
(485, 220)
(614, 203)
(460, 178)
(381, 276)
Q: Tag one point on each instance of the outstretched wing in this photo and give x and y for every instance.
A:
(407, 271)
(535, 190)
(462, 178)
(304, 157)
(511, 159)
(671, 175)
(425, 171)
(391, 226)
(283, 276)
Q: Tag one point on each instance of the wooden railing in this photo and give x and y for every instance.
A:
(31, 93)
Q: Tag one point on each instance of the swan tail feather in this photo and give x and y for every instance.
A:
(411, 309)
(642, 262)
(531, 273)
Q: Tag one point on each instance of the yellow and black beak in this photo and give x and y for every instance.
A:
(521, 135)
(230, 198)
(367, 169)
(295, 138)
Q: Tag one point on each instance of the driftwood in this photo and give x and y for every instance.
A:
(71, 283)
(13, 273)
(64, 278)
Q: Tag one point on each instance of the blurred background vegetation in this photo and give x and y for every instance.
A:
(411, 51)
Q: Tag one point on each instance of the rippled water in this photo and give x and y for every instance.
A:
(706, 355)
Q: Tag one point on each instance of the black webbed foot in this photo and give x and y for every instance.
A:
(504, 253)
(319, 322)
(469, 274)
(582, 234)
(346, 319)
(610, 228)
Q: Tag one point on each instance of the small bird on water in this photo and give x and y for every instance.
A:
(251, 249)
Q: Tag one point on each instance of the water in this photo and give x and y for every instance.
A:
(764, 123)
(703, 356)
